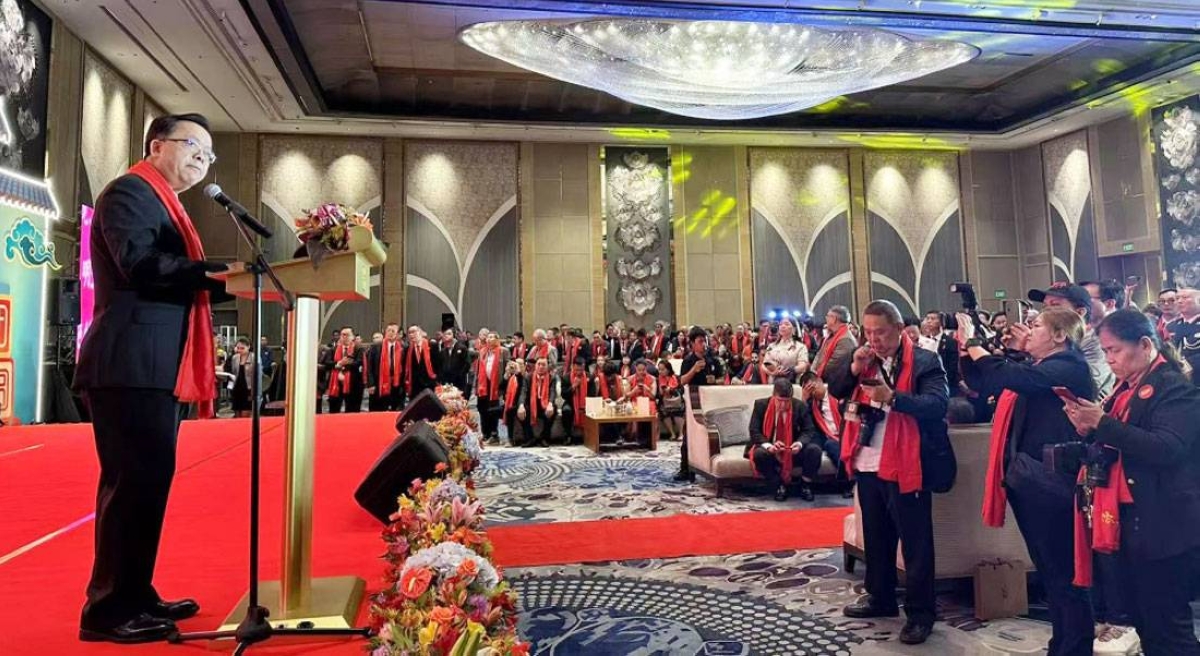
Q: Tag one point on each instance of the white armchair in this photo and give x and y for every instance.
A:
(960, 539)
(704, 452)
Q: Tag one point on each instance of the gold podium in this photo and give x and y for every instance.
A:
(298, 599)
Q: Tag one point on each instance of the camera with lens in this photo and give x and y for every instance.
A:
(1069, 457)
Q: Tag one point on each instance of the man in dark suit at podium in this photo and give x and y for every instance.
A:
(147, 357)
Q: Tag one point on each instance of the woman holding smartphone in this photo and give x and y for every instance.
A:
(1153, 419)
(1030, 416)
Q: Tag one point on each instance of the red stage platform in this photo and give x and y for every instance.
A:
(49, 476)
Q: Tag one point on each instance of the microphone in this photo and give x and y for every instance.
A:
(213, 191)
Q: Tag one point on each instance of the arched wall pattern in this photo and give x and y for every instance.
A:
(800, 229)
(914, 228)
(1068, 179)
(461, 234)
(299, 173)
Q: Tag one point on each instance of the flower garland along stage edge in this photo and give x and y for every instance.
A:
(442, 595)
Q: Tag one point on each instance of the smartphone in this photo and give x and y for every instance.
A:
(1065, 394)
(870, 382)
(1133, 280)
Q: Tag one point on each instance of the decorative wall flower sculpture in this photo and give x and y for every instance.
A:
(636, 192)
(1179, 139)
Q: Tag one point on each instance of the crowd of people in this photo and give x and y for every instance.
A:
(1085, 379)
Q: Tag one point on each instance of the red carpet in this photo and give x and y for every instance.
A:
(667, 537)
(49, 475)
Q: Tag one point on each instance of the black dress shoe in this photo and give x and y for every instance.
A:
(806, 493)
(915, 634)
(683, 476)
(866, 609)
(142, 628)
(781, 493)
(174, 610)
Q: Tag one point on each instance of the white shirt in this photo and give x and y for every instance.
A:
(868, 457)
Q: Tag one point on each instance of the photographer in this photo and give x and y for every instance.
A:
(1029, 417)
(1153, 419)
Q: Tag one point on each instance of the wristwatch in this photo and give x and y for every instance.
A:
(974, 341)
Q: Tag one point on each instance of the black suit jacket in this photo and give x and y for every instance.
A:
(145, 285)
(452, 364)
(803, 429)
(1160, 444)
(355, 368)
(927, 404)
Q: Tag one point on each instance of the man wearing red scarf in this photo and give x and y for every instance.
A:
(781, 434)
(344, 364)
(838, 347)
(537, 408)
(894, 441)
(519, 348)
(147, 357)
(489, 372)
(574, 386)
(542, 348)
(420, 371)
(383, 372)
(656, 343)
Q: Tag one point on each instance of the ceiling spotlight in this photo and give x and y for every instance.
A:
(724, 70)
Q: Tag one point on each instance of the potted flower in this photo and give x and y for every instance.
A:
(335, 228)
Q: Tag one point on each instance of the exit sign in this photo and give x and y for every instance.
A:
(1127, 247)
(1000, 293)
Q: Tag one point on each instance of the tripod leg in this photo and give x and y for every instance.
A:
(241, 648)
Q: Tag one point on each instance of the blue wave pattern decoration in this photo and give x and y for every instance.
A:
(26, 244)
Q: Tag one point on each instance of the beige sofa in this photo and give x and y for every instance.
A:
(961, 541)
(730, 464)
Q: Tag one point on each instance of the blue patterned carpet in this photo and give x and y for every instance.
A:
(767, 604)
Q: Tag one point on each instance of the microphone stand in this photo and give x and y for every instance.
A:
(255, 627)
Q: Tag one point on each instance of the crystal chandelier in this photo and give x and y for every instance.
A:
(715, 69)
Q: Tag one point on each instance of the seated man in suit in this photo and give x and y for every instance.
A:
(782, 433)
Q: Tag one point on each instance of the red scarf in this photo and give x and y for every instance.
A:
(602, 384)
(539, 352)
(750, 370)
(647, 380)
(421, 349)
(777, 427)
(572, 351)
(339, 376)
(741, 342)
(667, 383)
(196, 381)
(520, 350)
(995, 496)
(624, 371)
(599, 348)
(389, 368)
(826, 354)
(764, 338)
(834, 413)
(579, 396)
(510, 394)
(655, 345)
(1104, 536)
(488, 380)
(900, 461)
(539, 395)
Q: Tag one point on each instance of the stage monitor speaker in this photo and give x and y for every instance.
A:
(447, 321)
(425, 405)
(64, 302)
(415, 454)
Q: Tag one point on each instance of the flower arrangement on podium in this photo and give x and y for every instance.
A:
(442, 595)
(335, 228)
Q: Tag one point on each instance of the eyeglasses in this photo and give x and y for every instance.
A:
(196, 147)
